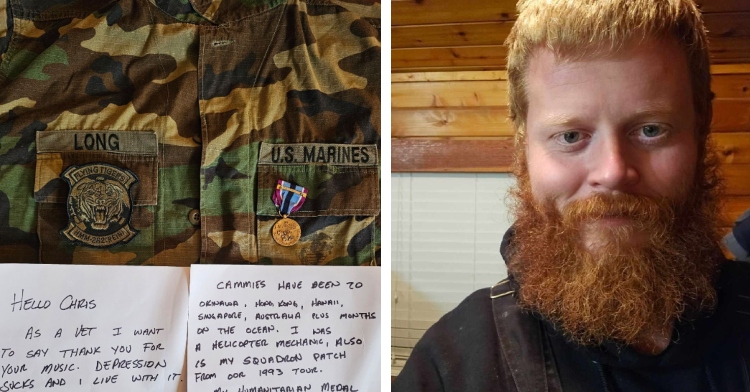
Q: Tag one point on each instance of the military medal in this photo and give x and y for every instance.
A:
(286, 232)
(288, 198)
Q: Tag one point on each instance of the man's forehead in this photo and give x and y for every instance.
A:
(666, 49)
(657, 67)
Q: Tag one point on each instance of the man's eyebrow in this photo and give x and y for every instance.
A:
(659, 111)
(561, 119)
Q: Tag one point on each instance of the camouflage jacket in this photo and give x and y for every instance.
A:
(158, 131)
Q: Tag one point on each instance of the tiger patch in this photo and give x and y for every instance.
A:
(99, 205)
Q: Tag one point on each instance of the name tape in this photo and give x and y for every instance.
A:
(319, 153)
(139, 142)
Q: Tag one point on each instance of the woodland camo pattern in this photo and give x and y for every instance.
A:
(214, 79)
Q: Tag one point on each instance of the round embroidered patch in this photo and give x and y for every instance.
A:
(99, 205)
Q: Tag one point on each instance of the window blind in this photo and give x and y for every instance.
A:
(446, 234)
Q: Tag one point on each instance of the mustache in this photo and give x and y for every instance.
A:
(643, 210)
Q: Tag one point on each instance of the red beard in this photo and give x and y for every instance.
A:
(618, 281)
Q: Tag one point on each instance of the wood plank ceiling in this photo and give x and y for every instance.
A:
(449, 103)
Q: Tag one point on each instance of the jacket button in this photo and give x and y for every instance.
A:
(198, 138)
(194, 216)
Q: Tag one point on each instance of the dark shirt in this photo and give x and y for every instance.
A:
(461, 352)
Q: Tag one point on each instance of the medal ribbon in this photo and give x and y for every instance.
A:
(288, 197)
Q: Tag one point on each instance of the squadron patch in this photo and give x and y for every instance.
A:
(99, 205)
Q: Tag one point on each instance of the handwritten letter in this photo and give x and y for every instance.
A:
(92, 328)
(284, 329)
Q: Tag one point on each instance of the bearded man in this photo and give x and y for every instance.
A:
(616, 279)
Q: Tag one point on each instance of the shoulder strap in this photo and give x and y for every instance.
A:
(522, 343)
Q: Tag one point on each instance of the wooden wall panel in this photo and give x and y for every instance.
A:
(452, 154)
(737, 180)
(733, 86)
(726, 50)
(731, 115)
(726, 69)
(708, 6)
(733, 207)
(411, 77)
(449, 94)
(450, 34)
(431, 69)
(450, 11)
(478, 122)
(733, 148)
(727, 24)
(495, 32)
(463, 35)
(490, 56)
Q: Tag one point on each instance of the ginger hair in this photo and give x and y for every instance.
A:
(578, 29)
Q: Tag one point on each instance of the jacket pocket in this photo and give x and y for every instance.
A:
(93, 190)
(338, 217)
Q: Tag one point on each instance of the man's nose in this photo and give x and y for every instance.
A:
(613, 165)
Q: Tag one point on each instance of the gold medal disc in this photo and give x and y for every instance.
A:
(286, 232)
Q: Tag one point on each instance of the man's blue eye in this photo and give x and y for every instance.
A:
(571, 137)
(651, 130)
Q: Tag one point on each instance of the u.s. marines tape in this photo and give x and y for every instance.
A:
(319, 153)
